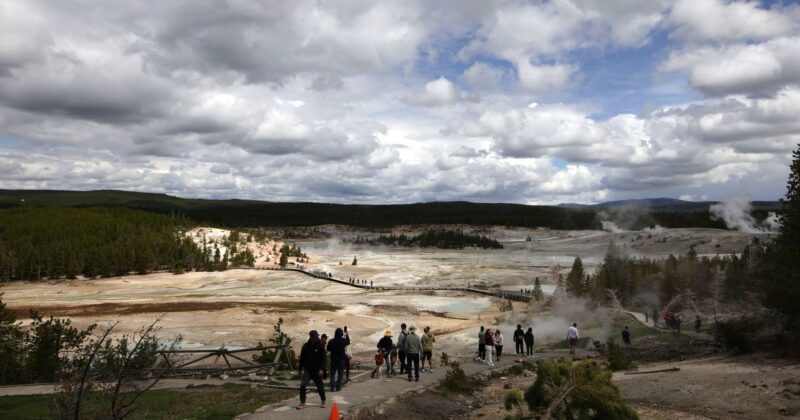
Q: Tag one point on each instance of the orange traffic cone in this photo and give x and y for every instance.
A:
(334, 412)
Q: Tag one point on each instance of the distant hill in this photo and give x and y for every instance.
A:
(663, 204)
(242, 213)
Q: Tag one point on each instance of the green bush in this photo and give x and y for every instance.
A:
(616, 356)
(455, 380)
(582, 390)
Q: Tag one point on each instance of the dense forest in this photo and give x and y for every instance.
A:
(249, 213)
(433, 238)
(655, 282)
(39, 243)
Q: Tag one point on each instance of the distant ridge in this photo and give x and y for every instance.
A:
(662, 204)
(666, 212)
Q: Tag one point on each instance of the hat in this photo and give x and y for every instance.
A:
(388, 333)
(412, 328)
(313, 333)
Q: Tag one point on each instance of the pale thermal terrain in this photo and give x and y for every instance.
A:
(239, 307)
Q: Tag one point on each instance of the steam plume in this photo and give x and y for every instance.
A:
(735, 211)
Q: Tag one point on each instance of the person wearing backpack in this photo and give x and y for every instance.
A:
(401, 352)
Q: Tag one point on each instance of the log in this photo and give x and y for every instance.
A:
(675, 369)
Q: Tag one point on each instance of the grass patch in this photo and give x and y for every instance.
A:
(218, 402)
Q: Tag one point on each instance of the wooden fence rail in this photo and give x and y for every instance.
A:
(282, 356)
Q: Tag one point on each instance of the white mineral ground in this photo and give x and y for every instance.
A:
(238, 308)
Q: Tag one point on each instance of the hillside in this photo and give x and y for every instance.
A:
(238, 213)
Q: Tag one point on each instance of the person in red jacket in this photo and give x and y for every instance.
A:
(489, 346)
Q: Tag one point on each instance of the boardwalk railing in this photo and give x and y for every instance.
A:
(232, 359)
(519, 297)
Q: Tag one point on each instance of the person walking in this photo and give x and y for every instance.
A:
(385, 344)
(655, 317)
(348, 356)
(572, 336)
(529, 341)
(326, 360)
(489, 342)
(498, 343)
(401, 352)
(481, 344)
(336, 348)
(427, 348)
(380, 358)
(519, 338)
(697, 323)
(626, 336)
(312, 358)
(393, 360)
(412, 346)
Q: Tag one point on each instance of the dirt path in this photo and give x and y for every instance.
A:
(752, 387)
(371, 392)
(644, 321)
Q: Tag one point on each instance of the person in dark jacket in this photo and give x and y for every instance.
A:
(312, 358)
(519, 338)
(529, 341)
(626, 336)
(385, 344)
(336, 347)
(401, 352)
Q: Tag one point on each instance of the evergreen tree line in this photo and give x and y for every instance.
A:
(47, 243)
(726, 278)
(767, 272)
(446, 239)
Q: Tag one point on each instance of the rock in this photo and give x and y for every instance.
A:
(506, 386)
(526, 373)
(208, 377)
(224, 376)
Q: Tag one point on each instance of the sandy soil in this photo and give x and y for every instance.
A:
(752, 387)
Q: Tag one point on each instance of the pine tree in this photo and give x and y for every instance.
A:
(782, 291)
(284, 259)
(575, 278)
(538, 294)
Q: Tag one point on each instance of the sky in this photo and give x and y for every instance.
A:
(537, 102)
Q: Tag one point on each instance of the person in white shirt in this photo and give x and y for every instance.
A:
(572, 336)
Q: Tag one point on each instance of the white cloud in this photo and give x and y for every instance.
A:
(740, 68)
(718, 20)
(437, 92)
(544, 78)
(256, 101)
(483, 75)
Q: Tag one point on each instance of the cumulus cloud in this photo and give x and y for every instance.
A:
(243, 99)
(718, 20)
(484, 75)
(741, 68)
(437, 92)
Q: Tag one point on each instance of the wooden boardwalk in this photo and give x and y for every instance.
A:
(329, 277)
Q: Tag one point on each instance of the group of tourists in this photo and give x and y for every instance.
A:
(317, 354)
(362, 282)
(491, 342)
(409, 350)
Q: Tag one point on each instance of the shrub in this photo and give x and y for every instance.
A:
(616, 356)
(582, 390)
(455, 380)
(735, 335)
